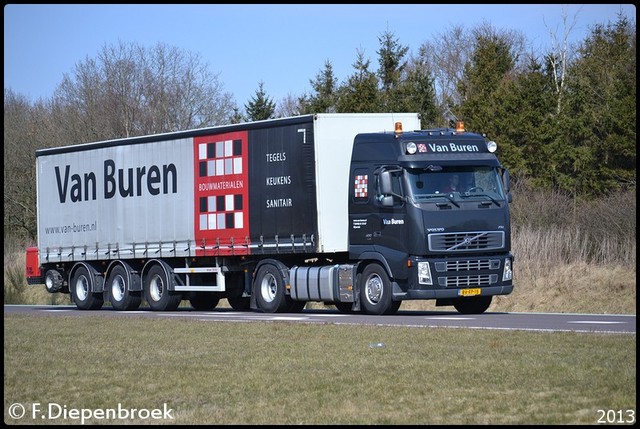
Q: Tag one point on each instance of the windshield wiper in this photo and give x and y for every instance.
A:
(423, 197)
(447, 196)
(480, 194)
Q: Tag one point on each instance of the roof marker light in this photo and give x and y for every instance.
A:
(398, 127)
(459, 126)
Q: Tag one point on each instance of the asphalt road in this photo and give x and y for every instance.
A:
(542, 322)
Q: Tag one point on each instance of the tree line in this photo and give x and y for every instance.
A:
(564, 120)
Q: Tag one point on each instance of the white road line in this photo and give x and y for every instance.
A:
(450, 318)
(328, 315)
(287, 318)
(596, 322)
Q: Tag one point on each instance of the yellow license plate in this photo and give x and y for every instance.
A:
(469, 292)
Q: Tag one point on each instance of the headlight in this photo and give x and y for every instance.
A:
(411, 148)
(424, 273)
(507, 273)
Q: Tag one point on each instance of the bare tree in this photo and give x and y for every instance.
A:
(27, 128)
(182, 92)
(446, 56)
(130, 90)
(290, 106)
(558, 59)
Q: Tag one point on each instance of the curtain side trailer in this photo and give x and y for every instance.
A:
(273, 214)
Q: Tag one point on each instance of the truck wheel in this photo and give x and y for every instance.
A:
(269, 290)
(472, 305)
(239, 303)
(295, 306)
(203, 301)
(81, 291)
(375, 290)
(344, 307)
(157, 293)
(122, 299)
(395, 306)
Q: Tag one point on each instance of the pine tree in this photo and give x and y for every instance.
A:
(360, 93)
(524, 124)
(491, 62)
(600, 122)
(416, 93)
(325, 87)
(260, 107)
(236, 117)
(392, 64)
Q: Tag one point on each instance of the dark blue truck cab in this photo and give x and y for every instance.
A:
(430, 209)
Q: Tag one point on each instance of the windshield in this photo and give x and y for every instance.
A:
(455, 182)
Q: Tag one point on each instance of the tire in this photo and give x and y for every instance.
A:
(204, 301)
(375, 290)
(295, 306)
(236, 284)
(53, 281)
(80, 290)
(269, 290)
(395, 306)
(239, 303)
(344, 307)
(118, 284)
(157, 293)
(472, 305)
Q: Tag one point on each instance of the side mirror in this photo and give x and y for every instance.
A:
(506, 181)
(386, 188)
(386, 201)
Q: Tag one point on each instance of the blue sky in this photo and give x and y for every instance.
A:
(282, 45)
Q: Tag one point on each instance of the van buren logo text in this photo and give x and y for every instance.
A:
(125, 183)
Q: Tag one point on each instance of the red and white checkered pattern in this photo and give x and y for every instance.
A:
(361, 184)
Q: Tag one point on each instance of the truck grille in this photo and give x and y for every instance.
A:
(467, 265)
(466, 241)
(465, 281)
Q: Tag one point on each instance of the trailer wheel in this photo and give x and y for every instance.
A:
(157, 293)
(472, 305)
(375, 291)
(122, 299)
(81, 292)
(203, 301)
(269, 289)
(53, 281)
(235, 281)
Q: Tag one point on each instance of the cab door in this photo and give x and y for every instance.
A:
(389, 226)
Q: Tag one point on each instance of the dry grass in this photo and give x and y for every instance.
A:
(571, 256)
(575, 287)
